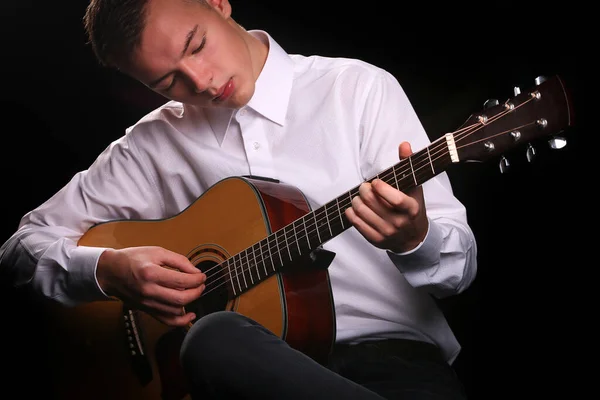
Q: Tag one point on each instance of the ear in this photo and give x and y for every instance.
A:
(223, 7)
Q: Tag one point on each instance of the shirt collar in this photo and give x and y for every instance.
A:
(274, 84)
(272, 90)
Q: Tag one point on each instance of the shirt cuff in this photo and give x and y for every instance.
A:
(83, 264)
(425, 255)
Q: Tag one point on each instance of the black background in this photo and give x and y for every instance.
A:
(520, 324)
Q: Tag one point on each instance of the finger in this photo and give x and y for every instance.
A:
(387, 201)
(159, 301)
(373, 200)
(404, 150)
(180, 320)
(365, 229)
(367, 216)
(397, 200)
(173, 298)
(158, 308)
(175, 279)
(177, 261)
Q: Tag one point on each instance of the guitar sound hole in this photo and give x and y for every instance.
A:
(215, 295)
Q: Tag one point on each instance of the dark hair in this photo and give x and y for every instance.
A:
(114, 28)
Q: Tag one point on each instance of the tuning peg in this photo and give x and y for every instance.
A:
(517, 90)
(557, 142)
(490, 103)
(530, 153)
(539, 80)
(504, 164)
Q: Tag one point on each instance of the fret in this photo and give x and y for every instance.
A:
(317, 220)
(335, 217)
(237, 274)
(293, 241)
(245, 269)
(251, 270)
(271, 255)
(339, 209)
(317, 226)
(307, 235)
(322, 220)
(260, 251)
(312, 227)
(231, 277)
(430, 161)
(328, 221)
(228, 283)
(395, 178)
(287, 245)
(278, 249)
(252, 266)
(296, 238)
(261, 248)
(257, 269)
(412, 170)
(349, 197)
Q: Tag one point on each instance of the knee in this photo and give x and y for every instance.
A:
(209, 334)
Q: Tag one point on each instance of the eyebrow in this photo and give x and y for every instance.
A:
(188, 40)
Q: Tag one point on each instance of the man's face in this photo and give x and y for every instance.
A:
(194, 54)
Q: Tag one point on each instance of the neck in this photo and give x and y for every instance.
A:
(258, 46)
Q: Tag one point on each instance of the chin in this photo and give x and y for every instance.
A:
(240, 99)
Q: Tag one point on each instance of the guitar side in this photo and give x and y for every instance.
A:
(125, 354)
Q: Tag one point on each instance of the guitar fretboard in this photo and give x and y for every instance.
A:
(299, 238)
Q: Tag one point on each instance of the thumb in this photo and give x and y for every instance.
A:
(404, 150)
(177, 261)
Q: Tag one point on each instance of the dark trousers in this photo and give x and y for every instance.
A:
(226, 355)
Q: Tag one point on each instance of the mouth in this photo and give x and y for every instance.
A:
(224, 92)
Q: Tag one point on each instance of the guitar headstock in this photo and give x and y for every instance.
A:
(543, 111)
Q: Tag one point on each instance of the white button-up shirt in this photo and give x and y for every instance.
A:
(321, 124)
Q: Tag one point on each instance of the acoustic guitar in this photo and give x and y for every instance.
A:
(260, 245)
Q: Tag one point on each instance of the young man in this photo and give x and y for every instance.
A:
(241, 106)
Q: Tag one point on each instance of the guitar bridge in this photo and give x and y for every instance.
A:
(139, 360)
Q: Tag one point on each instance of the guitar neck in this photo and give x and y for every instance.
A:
(540, 112)
(298, 239)
(329, 220)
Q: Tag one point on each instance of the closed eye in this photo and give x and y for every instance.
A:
(197, 50)
(174, 80)
(168, 88)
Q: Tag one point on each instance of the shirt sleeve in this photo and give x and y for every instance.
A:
(445, 262)
(43, 253)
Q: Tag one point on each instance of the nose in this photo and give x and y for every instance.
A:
(198, 77)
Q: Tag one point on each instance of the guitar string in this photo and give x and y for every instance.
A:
(423, 162)
(314, 225)
(287, 247)
(278, 236)
(243, 259)
(257, 261)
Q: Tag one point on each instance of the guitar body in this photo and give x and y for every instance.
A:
(107, 351)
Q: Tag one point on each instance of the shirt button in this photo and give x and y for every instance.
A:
(256, 145)
(243, 112)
